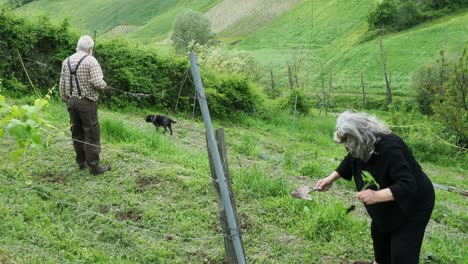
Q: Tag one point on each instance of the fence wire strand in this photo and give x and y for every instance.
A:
(126, 224)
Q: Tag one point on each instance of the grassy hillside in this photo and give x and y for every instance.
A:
(231, 18)
(147, 20)
(157, 205)
(321, 33)
(332, 34)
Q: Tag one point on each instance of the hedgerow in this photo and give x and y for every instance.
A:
(43, 46)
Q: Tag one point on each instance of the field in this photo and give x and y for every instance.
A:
(332, 35)
(153, 19)
(157, 205)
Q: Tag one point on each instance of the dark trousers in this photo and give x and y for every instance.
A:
(85, 128)
(403, 245)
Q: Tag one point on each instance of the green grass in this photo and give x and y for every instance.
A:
(333, 37)
(153, 19)
(157, 205)
(329, 34)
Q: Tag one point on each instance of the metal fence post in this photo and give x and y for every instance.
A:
(212, 146)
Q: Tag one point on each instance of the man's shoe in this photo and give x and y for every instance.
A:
(99, 169)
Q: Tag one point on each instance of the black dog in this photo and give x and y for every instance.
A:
(160, 120)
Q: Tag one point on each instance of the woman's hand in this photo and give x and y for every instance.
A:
(372, 197)
(325, 184)
(368, 196)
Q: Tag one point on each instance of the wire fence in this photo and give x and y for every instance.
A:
(107, 218)
(127, 224)
(125, 153)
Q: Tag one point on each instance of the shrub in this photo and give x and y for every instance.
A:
(228, 94)
(190, 26)
(304, 103)
(423, 80)
(228, 61)
(44, 46)
(442, 88)
(402, 14)
(410, 14)
(384, 15)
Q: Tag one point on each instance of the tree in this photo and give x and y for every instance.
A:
(386, 14)
(443, 90)
(190, 27)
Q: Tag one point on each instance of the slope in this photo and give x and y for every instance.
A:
(147, 20)
(315, 34)
(157, 205)
(332, 34)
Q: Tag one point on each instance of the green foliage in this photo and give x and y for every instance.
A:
(384, 14)
(18, 3)
(368, 181)
(442, 89)
(227, 61)
(229, 94)
(430, 141)
(144, 71)
(44, 46)
(423, 82)
(25, 124)
(402, 14)
(190, 27)
(304, 104)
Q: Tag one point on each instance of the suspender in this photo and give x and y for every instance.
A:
(73, 73)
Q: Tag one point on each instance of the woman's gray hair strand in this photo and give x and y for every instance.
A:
(359, 132)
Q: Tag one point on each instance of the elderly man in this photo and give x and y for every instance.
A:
(80, 79)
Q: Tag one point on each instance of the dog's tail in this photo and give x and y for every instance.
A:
(172, 121)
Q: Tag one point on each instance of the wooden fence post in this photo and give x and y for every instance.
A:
(290, 77)
(363, 91)
(228, 243)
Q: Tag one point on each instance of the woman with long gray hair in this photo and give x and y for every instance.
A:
(399, 197)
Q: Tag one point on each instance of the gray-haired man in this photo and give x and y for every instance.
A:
(80, 79)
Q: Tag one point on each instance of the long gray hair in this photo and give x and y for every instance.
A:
(359, 132)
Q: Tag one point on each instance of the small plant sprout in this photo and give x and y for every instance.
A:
(368, 181)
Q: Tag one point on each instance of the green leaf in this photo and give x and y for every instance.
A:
(40, 103)
(16, 112)
(18, 129)
(1, 133)
(16, 154)
(36, 137)
(368, 180)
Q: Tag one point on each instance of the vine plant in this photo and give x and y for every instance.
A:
(24, 123)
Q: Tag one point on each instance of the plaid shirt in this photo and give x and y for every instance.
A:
(89, 76)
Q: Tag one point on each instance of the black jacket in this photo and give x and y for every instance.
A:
(392, 166)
